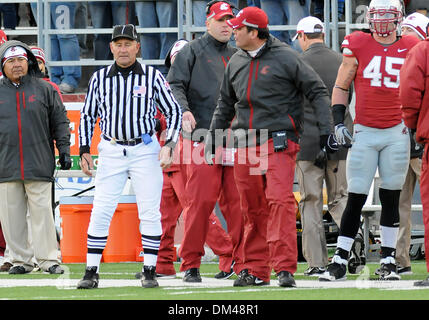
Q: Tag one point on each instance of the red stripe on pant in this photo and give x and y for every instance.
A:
(265, 184)
(424, 192)
(204, 187)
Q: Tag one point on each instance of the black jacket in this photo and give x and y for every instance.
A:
(325, 62)
(32, 118)
(195, 78)
(267, 92)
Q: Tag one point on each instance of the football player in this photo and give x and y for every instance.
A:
(380, 139)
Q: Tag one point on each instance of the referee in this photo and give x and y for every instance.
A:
(125, 97)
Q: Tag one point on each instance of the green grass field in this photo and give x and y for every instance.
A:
(126, 271)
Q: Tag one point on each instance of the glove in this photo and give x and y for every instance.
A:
(329, 143)
(321, 159)
(342, 136)
(65, 161)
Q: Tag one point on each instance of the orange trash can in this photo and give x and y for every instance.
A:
(124, 234)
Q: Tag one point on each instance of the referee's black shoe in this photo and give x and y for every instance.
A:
(90, 279)
(192, 275)
(149, 280)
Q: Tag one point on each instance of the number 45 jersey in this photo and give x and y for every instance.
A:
(377, 78)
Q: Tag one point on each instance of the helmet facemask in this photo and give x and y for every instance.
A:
(383, 22)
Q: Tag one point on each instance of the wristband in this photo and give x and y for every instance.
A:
(338, 112)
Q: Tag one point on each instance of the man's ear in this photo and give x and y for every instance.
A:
(254, 33)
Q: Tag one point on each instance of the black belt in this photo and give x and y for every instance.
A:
(132, 142)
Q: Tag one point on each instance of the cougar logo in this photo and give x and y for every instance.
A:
(224, 6)
(264, 70)
(31, 98)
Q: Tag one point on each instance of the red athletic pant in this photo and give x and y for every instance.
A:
(205, 185)
(172, 203)
(265, 183)
(424, 193)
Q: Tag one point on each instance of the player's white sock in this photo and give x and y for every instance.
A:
(389, 236)
(345, 243)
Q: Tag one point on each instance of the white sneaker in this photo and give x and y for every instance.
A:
(66, 88)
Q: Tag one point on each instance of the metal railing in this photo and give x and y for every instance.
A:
(184, 29)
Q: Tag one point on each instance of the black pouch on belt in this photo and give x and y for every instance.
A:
(279, 140)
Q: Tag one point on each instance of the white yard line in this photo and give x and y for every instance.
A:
(210, 283)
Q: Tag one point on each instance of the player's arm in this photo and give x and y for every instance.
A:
(340, 98)
(345, 77)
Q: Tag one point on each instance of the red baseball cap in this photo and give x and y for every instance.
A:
(250, 16)
(220, 10)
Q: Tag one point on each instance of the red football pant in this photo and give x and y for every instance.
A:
(172, 203)
(204, 187)
(265, 184)
(424, 193)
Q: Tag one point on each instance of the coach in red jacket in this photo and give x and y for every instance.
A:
(414, 91)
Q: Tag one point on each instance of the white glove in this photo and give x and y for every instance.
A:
(343, 135)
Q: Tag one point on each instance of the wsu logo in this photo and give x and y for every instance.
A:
(224, 6)
(265, 69)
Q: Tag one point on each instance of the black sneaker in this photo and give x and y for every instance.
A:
(139, 275)
(192, 275)
(336, 270)
(314, 271)
(165, 276)
(286, 279)
(223, 275)
(403, 271)
(18, 270)
(422, 283)
(90, 279)
(245, 279)
(357, 259)
(388, 271)
(149, 280)
(55, 269)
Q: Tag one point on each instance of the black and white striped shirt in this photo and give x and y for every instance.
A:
(127, 106)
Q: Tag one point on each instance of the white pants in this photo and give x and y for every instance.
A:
(115, 164)
(386, 149)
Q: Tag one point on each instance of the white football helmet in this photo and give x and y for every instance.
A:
(384, 16)
(417, 22)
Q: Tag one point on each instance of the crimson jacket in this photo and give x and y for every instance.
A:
(414, 90)
(195, 78)
(267, 92)
(32, 118)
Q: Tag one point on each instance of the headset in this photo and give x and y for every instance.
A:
(209, 5)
